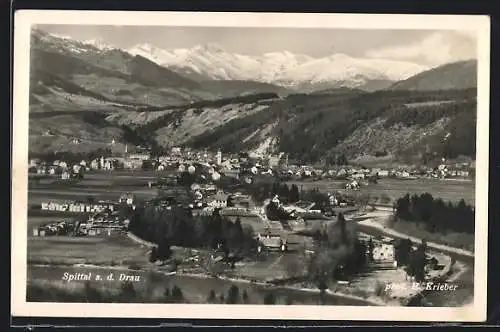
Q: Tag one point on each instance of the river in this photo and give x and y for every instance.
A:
(196, 289)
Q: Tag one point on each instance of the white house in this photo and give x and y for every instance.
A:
(384, 253)
(219, 157)
(94, 164)
(403, 174)
(333, 200)
(341, 172)
(34, 162)
(383, 173)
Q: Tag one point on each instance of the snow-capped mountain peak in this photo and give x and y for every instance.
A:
(281, 67)
(71, 44)
(98, 43)
(145, 47)
(209, 48)
(211, 61)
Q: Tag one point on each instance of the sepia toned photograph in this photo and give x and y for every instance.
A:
(330, 169)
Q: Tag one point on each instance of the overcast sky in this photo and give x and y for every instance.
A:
(428, 47)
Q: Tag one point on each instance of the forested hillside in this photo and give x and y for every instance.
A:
(393, 122)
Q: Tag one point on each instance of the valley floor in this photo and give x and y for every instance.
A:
(49, 257)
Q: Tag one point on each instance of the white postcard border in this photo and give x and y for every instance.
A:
(26, 18)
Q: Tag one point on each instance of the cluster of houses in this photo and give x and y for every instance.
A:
(65, 227)
(306, 208)
(105, 218)
(356, 174)
(246, 165)
(56, 169)
(104, 223)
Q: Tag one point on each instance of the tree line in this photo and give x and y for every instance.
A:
(177, 226)
(435, 214)
(412, 259)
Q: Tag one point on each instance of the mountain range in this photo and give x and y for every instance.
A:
(296, 71)
(206, 97)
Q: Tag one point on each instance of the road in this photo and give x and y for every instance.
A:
(374, 226)
(464, 259)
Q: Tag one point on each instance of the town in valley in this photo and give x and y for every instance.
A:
(188, 186)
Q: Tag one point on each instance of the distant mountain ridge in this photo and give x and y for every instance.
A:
(101, 93)
(457, 75)
(123, 77)
(282, 68)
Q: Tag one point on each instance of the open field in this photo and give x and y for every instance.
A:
(275, 266)
(122, 251)
(100, 186)
(35, 196)
(90, 250)
(194, 289)
(458, 240)
(448, 190)
(99, 250)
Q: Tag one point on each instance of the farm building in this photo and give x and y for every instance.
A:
(271, 242)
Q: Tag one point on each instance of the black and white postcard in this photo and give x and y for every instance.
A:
(250, 165)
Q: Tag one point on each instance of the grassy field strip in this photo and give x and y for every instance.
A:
(121, 176)
(393, 188)
(90, 191)
(102, 250)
